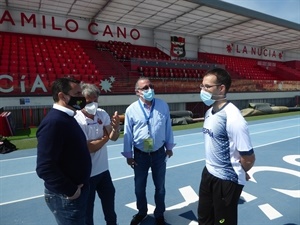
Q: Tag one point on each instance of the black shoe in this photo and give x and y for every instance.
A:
(160, 221)
(137, 218)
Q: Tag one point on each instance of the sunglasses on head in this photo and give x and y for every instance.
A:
(146, 87)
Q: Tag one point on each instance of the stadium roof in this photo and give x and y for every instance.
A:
(212, 19)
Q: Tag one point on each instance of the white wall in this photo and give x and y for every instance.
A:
(289, 56)
(247, 51)
(164, 39)
(79, 28)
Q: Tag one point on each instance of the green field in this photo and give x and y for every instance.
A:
(25, 139)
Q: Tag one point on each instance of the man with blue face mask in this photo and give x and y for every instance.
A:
(228, 150)
(148, 142)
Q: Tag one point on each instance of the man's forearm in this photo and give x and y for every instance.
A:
(97, 144)
(247, 162)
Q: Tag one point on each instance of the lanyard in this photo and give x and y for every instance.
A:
(151, 111)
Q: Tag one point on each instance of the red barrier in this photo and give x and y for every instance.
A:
(6, 128)
(24, 118)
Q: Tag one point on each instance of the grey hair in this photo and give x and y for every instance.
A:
(137, 82)
(89, 90)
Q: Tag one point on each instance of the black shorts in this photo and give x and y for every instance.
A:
(218, 200)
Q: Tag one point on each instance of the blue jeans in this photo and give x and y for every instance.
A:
(155, 161)
(68, 212)
(103, 185)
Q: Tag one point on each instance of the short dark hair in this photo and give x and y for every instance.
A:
(223, 77)
(63, 85)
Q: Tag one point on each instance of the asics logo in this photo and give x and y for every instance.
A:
(221, 221)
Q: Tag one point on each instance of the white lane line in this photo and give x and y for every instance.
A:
(248, 197)
(150, 207)
(20, 158)
(275, 142)
(269, 211)
(178, 136)
(277, 121)
(270, 130)
(116, 179)
(258, 146)
(189, 194)
(17, 174)
(176, 147)
(292, 159)
(21, 200)
(168, 167)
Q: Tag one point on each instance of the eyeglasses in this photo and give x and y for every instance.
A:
(147, 87)
(206, 86)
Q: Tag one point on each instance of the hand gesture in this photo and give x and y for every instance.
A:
(115, 121)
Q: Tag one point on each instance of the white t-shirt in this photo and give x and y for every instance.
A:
(226, 135)
(93, 129)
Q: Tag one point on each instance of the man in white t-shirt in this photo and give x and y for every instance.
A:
(98, 129)
(228, 149)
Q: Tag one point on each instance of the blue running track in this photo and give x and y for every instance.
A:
(271, 197)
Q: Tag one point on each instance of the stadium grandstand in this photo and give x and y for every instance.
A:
(113, 42)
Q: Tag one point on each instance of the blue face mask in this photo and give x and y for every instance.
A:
(206, 98)
(148, 95)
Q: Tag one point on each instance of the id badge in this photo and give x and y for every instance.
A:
(148, 145)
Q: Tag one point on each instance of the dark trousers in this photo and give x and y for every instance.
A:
(103, 185)
(68, 212)
(155, 161)
(218, 200)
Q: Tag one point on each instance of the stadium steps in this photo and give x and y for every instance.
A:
(243, 68)
(111, 70)
(287, 73)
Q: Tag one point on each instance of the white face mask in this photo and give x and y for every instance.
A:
(91, 108)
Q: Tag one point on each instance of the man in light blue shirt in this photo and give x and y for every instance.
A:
(148, 142)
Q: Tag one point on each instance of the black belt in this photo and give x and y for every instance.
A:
(148, 153)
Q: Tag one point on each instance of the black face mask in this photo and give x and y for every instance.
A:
(77, 102)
